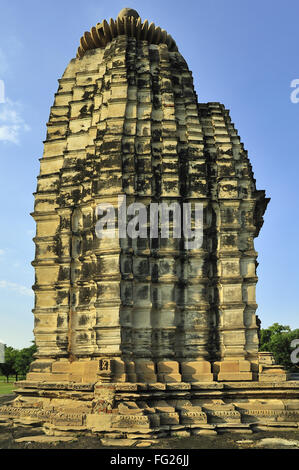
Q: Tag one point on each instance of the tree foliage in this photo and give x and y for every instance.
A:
(24, 359)
(277, 339)
(8, 368)
(17, 362)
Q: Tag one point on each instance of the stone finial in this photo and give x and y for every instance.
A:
(128, 12)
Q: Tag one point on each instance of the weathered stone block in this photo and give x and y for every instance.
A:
(233, 370)
(99, 422)
(145, 371)
(196, 371)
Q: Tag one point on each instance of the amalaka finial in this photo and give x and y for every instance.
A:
(127, 23)
(128, 12)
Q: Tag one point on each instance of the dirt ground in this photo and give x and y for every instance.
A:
(273, 440)
(225, 441)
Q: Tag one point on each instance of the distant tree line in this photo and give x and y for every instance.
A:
(277, 339)
(17, 361)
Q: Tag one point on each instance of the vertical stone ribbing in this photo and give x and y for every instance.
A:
(193, 288)
(235, 198)
(164, 313)
(140, 78)
(193, 190)
(52, 250)
(108, 185)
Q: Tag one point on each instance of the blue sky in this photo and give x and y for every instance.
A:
(242, 53)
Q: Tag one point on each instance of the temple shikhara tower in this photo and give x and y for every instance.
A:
(145, 335)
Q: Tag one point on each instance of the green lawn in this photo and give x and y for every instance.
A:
(5, 388)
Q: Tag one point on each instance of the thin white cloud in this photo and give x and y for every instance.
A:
(10, 51)
(11, 122)
(2, 252)
(22, 290)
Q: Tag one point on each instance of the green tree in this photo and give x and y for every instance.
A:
(24, 359)
(277, 339)
(9, 367)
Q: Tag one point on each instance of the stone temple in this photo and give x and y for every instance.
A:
(143, 336)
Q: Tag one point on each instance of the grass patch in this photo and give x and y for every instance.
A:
(5, 388)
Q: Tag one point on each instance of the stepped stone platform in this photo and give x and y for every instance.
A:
(142, 411)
